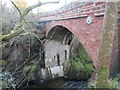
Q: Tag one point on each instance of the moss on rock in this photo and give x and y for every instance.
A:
(80, 67)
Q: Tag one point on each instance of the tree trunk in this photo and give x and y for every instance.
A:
(110, 20)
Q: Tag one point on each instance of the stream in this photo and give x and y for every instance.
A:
(63, 83)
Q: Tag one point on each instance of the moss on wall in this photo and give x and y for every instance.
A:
(80, 67)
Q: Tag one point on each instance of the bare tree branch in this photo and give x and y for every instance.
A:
(26, 11)
(16, 8)
(11, 35)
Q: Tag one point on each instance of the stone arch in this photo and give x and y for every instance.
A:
(60, 46)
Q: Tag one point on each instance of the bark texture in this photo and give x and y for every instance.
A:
(110, 20)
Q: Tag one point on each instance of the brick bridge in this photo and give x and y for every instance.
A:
(73, 18)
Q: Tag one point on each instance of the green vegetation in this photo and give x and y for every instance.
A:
(92, 84)
(117, 78)
(2, 63)
(17, 30)
(102, 74)
(80, 67)
(29, 71)
(112, 83)
(7, 80)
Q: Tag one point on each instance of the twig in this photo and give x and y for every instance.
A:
(16, 8)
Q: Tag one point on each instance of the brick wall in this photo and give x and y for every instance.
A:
(83, 10)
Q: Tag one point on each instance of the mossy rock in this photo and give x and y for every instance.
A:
(75, 70)
(80, 67)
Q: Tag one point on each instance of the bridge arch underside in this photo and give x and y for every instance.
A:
(61, 47)
(88, 35)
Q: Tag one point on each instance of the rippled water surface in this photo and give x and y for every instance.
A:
(62, 83)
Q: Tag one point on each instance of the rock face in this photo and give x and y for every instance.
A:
(80, 67)
(52, 73)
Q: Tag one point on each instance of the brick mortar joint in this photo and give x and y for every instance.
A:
(64, 8)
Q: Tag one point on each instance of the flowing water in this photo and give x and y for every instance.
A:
(63, 83)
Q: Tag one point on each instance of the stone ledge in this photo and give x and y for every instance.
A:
(64, 8)
(99, 14)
